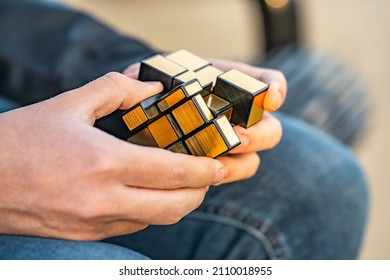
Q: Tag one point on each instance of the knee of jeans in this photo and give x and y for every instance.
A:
(330, 170)
(329, 189)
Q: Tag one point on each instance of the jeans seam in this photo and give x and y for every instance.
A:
(271, 241)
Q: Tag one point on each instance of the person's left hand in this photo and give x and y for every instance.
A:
(244, 161)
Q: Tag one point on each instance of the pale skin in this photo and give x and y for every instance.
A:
(63, 178)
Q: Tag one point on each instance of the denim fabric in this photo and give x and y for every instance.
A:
(309, 200)
(33, 248)
(6, 105)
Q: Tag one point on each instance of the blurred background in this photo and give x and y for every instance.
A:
(344, 42)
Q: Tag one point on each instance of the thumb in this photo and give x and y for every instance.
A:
(132, 70)
(108, 93)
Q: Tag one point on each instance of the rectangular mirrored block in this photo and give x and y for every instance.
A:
(192, 114)
(159, 68)
(188, 60)
(179, 94)
(154, 106)
(178, 147)
(246, 95)
(144, 138)
(213, 139)
(164, 131)
(142, 112)
(211, 73)
(135, 118)
(205, 83)
(218, 106)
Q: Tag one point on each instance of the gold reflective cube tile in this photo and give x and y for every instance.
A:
(159, 68)
(192, 114)
(144, 138)
(257, 110)
(214, 139)
(208, 143)
(218, 106)
(179, 94)
(142, 112)
(205, 83)
(172, 99)
(227, 132)
(135, 117)
(245, 93)
(164, 131)
(188, 60)
(210, 72)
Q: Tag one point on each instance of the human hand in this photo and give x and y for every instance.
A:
(63, 178)
(243, 161)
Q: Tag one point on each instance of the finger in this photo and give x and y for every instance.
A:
(157, 207)
(162, 169)
(276, 93)
(132, 70)
(241, 166)
(108, 93)
(132, 75)
(264, 135)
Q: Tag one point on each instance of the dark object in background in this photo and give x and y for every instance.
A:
(321, 90)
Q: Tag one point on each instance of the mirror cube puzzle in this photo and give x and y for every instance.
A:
(196, 111)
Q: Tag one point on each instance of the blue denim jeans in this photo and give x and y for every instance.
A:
(309, 200)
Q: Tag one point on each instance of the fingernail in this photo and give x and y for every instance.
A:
(277, 97)
(153, 83)
(219, 175)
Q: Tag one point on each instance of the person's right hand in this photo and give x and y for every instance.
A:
(63, 178)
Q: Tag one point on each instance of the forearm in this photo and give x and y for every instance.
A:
(46, 49)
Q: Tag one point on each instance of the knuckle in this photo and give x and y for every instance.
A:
(178, 176)
(117, 81)
(89, 207)
(176, 213)
(184, 205)
(115, 78)
(84, 211)
(198, 199)
(106, 164)
(279, 74)
(103, 164)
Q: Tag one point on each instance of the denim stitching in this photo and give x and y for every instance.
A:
(272, 242)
